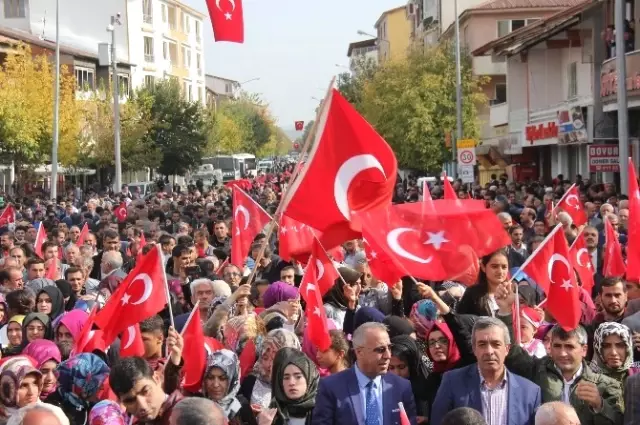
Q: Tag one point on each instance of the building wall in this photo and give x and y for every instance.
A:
(396, 29)
(447, 15)
(83, 24)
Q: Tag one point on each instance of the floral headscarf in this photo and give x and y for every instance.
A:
(43, 350)
(238, 329)
(13, 370)
(227, 362)
(274, 341)
(80, 378)
(423, 314)
(107, 412)
(604, 330)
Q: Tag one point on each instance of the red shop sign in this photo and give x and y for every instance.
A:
(541, 131)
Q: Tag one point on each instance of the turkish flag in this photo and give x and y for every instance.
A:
(350, 169)
(426, 194)
(131, 342)
(86, 334)
(194, 352)
(383, 264)
(404, 418)
(247, 358)
(52, 270)
(121, 212)
(437, 244)
(613, 263)
(449, 192)
(563, 294)
(633, 230)
(83, 234)
(299, 125)
(571, 204)
(316, 316)
(41, 237)
(326, 273)
(536, 265)
(248, 220)
(220, 268)
(227, 20)
(336, 253)
(140, 295)
(8, 216)
(295, 239)
(581, 261)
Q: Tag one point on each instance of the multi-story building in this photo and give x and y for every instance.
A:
(552, 112)
(393, 34)
(366, 50)
(166, 40)
(480, 25)
(220, 89)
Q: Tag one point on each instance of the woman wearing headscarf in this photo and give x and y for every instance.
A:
(278, 292)
(80, 385)
(35, 326)
(14, 336)
(362, 316)
(50, 301)
(107, 412)
(399, 326)
(295, 386)
(341, 301)
(221, 384)
(68, 329)
(257, 387)
(21, 383)
(423, 315)
(613, 352)
(406, 362)
(47, 357)
(238, 330)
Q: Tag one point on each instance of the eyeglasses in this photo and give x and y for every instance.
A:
(381, 349)
(440, 341)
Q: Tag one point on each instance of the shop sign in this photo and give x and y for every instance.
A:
(510, 145)
(538, 132)
(604, 159)
(609, 78)
(571, 127)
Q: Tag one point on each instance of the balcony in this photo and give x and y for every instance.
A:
(147, 19)
(499, 114)
(149, 58)
(484, 65)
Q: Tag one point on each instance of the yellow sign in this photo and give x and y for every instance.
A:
(465, 143)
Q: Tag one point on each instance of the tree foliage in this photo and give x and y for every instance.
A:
(412, 104)
(137, 151)
(177, 128)
(26, 110)
(352, 85)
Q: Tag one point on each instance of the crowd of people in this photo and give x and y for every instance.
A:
(442, 353)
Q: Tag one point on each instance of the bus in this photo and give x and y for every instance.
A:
(233, 167)
(247, 162)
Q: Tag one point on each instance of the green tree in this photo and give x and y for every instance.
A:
(178, 128)
(253, 117)
(225, 133)
(412, 104)
(352, 84)
(137, 151)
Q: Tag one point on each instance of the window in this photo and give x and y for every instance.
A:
(171, 17)
(147, 12)
(517, 24)
(14, 9)
(199, 63)
(189, 93)
(149, 80)
(573, 79)
(228, 88)
(507, 26)
(85, 79)
(123, 81)
(185, 86)
(164, 13)
(184, 57)
(200, 97)
(169, 52)
(148, 49)
(188, 58)
(186, 25)
(198, 30)
(501, 93)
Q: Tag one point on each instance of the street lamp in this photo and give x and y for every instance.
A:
(116, 20)
(56, 111)
(238, 86)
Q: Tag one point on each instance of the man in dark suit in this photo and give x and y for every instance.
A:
(502, 397)
(365, 394)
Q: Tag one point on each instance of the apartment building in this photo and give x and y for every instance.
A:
(220, 89)
(166, 38)
(393, 31)
(366, 50)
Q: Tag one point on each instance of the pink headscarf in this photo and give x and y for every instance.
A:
(74, 321)
(43, 350)
(310, 350)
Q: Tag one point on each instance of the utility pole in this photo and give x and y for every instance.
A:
(56, 111)
(116, 103)
(623, 113)
(458, 95)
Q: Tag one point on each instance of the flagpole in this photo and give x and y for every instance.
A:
(538, 249)
(186, 324)
(576, 239)
(296, 171)
(166, 287)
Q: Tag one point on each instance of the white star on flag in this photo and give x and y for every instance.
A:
(125, 298)
(436, 239)
(283, 230)
(566, 284)
(227, 16)
(374, 255)
(316, 311)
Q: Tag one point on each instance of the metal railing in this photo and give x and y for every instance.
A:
(147, 19)
(149, 58)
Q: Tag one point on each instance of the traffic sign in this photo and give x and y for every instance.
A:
(465, 143)
(466, 173)
(467, 156)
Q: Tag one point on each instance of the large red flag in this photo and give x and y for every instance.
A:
(87, 332)
(8, 215)
(449, 193)
(194, 352)
(41, 237)
(383, 264)
(563, 295)
(140, 295)
(227, 20)
(536, 265)
(131, 342)
(350, 169)
(121, 212)
(326, 273)
(316, 316)
(248, 220)
(613, 262)
(571, 204)
(581, 261)
(295, 239)
(83, 234)
(633, 231)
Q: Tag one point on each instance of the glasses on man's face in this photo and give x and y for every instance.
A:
(382, 349)
(440, 341)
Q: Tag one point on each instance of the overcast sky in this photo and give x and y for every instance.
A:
(293, 46)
